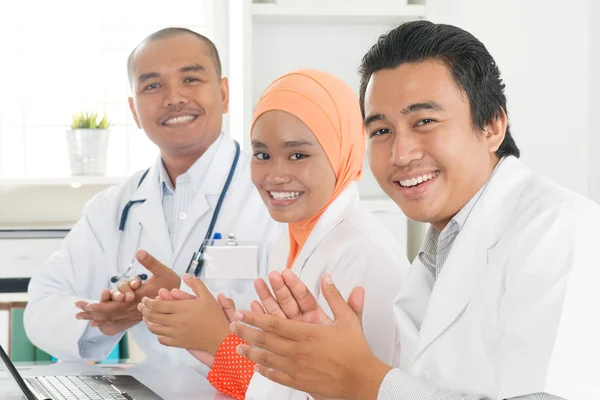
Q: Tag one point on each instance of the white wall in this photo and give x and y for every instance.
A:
(594, 124)
(543, 50)
(336, 48)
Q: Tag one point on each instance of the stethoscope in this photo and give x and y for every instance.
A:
(197, 261)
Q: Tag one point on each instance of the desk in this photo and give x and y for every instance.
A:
(170, 381)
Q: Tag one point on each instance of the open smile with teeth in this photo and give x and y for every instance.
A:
(285, 195)
(180, 120)
(418, 180)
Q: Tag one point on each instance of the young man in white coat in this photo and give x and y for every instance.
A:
(179, 98)
(501, 302)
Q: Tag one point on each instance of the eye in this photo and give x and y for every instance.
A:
(297, 156)
(151, 86)
(261, 156)
(425, 121)
(191, 79)
(380, 132)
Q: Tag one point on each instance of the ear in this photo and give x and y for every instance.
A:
(495, 131)
(134, 112)
(225, 94)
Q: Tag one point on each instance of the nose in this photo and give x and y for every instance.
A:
(278, 174)
(174, 95)
(405, 149)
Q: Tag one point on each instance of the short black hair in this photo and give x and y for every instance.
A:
(472, 67)
(170, 32)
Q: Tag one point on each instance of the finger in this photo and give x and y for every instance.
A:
(197, 286)
(167, 341)
(82, 305)
(117, 295)
(127, 291)
(135, 282)
(336, 301)
(265, 358)
(228, 306)
(285, 328)
(157, 318)
(305, 299)
(105, 295)
(257, 307)
(269, 302)
(158, 330)
(150, 263)
(163, 307)
(94, 317)
(284, 297)
(179, 294)
(110, 307)
(356, 302)
(165, 295)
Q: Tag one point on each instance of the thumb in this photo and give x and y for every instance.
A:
(196, 285)
(151, 263)
(334, 298)
(356, 302)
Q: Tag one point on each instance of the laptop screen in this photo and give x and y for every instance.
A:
(10, 379)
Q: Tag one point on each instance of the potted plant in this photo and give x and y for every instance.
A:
(87, 141)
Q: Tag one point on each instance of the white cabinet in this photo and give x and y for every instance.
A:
(22, 255)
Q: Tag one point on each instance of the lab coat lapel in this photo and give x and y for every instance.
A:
(150, 214)
(332, 217)
(468, 258)
(207, 194)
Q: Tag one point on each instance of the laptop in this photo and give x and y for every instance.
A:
(94, 387)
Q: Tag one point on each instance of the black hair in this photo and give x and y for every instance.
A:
(170, 32)
(471, 65)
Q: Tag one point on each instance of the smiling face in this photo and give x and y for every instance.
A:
(179, 99)
(289, 167)
(424, 151)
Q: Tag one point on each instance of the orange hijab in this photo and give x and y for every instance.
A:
(331, 110)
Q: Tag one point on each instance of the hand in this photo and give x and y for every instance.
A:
(332, 360)
(125, 290)
(112, 317)
(110, 320)
(197, 324)
(292, 299)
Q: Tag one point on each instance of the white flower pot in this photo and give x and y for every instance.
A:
(87, 151)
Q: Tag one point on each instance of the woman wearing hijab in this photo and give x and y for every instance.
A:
(308, 148)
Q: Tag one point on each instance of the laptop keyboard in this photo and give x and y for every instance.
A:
(79, 387)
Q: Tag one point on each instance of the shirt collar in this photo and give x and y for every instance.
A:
(194, 175)
(429, 248)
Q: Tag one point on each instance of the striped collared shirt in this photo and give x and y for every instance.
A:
(176, 199)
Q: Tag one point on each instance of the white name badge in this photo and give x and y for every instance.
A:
(228, 261)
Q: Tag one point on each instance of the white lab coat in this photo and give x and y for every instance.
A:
(515, 308)
(88, 258)
(356, 250)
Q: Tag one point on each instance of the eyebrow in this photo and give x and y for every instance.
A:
(288, 144)
(193, 68)
(147, 76)
(188, 68)
(428, 105)
(374, 118)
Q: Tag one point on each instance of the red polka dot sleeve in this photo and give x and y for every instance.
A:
(231, 372)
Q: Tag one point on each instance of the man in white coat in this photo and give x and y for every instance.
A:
(501, 301)
(179, 98)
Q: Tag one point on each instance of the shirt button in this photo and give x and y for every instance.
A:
(182, 215)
